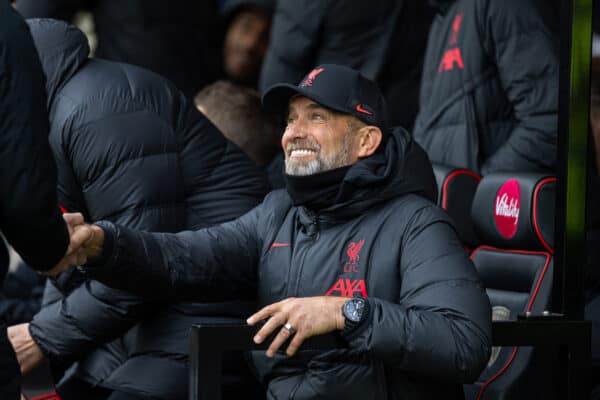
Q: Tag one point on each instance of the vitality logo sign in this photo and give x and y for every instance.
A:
(507, 208)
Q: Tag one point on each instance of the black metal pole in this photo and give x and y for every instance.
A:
(573, 132)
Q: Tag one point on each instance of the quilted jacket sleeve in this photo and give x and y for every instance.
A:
(213, 264)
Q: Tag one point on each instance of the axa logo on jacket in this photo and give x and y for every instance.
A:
(348, 287)
(453, 56)
(507, 208)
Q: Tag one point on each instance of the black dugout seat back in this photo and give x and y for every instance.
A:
(514, 218)
(456, 188)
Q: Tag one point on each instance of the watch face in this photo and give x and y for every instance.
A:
(353, 309)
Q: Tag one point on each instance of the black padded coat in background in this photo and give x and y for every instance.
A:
(132, 149)
(429, 328)
(29, 215)
(489, 93)
(180, 39)
(383, 39)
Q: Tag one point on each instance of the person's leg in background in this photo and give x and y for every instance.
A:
(10, 375)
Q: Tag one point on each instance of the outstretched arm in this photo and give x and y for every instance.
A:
(212, 264)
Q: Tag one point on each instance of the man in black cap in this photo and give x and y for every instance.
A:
(354, 245)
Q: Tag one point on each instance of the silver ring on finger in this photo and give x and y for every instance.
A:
(289, 328)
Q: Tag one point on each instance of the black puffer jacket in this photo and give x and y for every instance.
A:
(383, 39)
(131, 149)
(489, 94)
(429, 326)
(29, 216)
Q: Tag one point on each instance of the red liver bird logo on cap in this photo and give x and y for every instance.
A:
(309, 80)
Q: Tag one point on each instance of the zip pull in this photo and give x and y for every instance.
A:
(313, 228)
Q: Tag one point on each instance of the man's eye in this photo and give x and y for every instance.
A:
(290, 120)
(317, 116)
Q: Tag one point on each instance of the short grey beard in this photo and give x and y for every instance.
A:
(338, 159)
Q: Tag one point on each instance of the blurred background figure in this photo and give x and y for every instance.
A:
(179, 39)
(238, 113)
(248, 24)
(383, 39)
(489, 94)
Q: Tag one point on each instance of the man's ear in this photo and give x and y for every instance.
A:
(369, 138)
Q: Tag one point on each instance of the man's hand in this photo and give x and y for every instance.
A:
(305, 317)
(85, 241)
(28, 353)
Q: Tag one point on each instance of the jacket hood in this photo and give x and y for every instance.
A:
(401, 168)
(62, 49)
(441, 5)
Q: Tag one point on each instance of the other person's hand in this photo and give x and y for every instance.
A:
(28, 353)
(298, 317)
(81, 235)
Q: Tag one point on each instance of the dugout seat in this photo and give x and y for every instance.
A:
(513, 215)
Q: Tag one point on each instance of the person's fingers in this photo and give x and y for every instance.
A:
(81, 234)
(269, 327)
(263, 313)
(295, 344)
(73, 219)
(81, 257)
(283, 335)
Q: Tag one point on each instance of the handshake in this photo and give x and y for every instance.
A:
(85, 242)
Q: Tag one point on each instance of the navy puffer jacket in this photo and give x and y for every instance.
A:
(130, 148)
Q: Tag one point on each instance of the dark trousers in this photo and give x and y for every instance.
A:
(10, 375)
(76, 389)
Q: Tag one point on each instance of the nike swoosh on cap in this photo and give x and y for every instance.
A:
(362, 110)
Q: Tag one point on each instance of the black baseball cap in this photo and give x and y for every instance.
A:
(337, 87)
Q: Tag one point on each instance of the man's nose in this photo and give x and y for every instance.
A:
(296, 130)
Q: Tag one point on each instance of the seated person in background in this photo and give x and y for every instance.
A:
(246, 38)
(489, 93)
(355, 245)
(132, 149)
(238, 114)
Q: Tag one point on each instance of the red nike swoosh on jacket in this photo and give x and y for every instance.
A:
(276, 244)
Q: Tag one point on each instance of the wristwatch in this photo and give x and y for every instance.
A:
(353, 311)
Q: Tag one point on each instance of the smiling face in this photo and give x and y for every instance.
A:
(318, 139)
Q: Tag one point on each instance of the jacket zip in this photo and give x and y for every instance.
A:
(312, 232)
